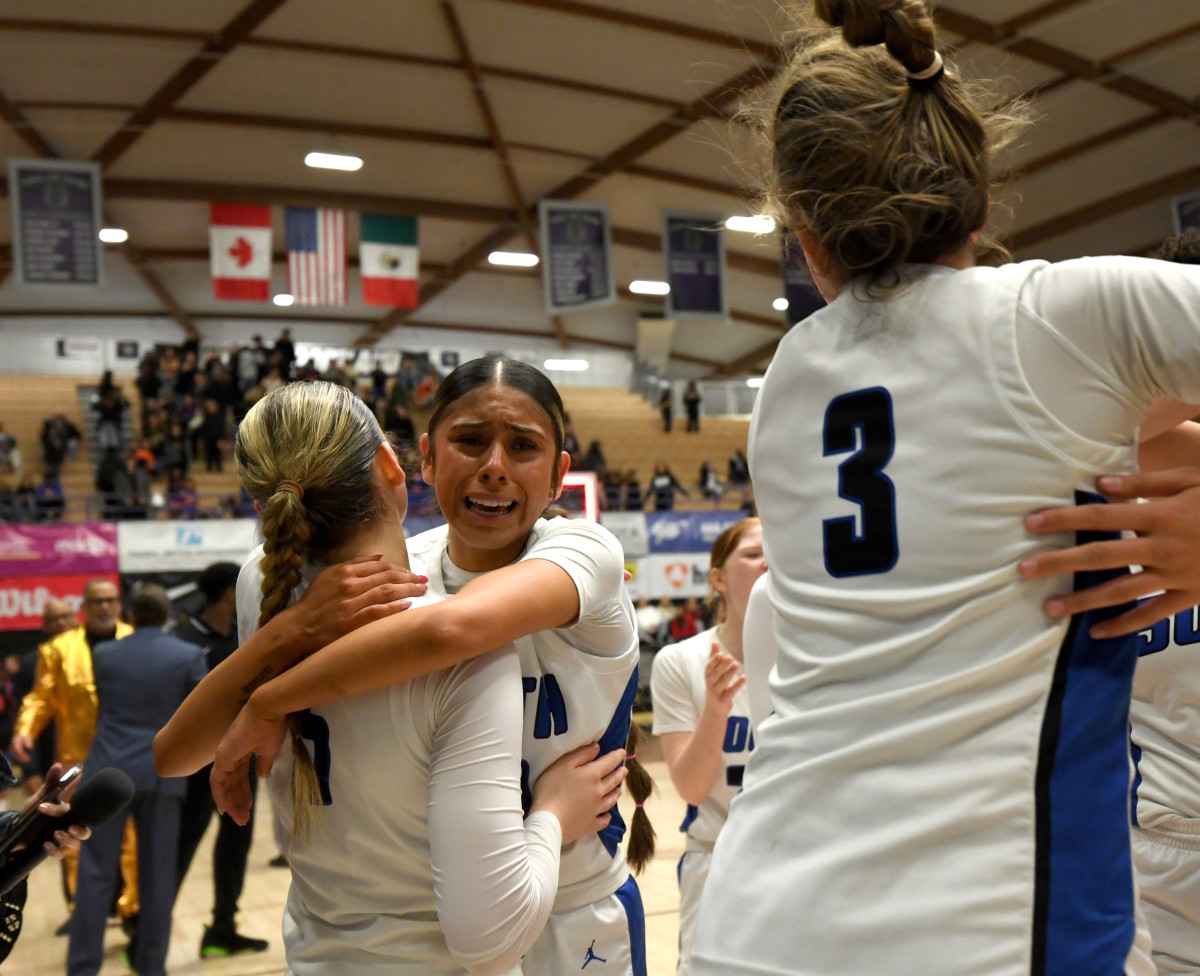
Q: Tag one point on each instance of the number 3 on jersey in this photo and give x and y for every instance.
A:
(860, 424)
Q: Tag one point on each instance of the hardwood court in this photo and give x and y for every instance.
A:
(40, 953)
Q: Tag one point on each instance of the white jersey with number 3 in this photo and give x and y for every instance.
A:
(943, 788)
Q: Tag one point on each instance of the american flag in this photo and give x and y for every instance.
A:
(316, 251)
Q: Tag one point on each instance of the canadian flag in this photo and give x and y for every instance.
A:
(239, 238)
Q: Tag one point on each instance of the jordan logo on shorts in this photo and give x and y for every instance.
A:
(591, 956)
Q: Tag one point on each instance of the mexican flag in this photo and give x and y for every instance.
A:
(388, 259)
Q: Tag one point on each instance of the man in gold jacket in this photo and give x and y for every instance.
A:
(65, 691)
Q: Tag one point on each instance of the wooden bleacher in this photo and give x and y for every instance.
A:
(630, 433)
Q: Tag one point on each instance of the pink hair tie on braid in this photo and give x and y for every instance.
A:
(291, 487)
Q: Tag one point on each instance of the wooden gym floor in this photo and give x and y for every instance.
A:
(39, 953)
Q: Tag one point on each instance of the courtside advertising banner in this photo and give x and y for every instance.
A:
(22, 599)
(630, 530)
(694, 255)
(798, 287)
(55, 222)
(576, 256)
(173, 547)
(46, 550)
(688, 532)
(677, 576)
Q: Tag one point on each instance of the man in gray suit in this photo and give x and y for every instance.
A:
(140, 681)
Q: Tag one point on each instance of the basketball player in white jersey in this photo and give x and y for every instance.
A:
(416, 785)
(554, 587)
(942, 788)
(701, 714)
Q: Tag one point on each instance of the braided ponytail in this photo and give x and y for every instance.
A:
(640, 851)
(306, 454)
(904, 27)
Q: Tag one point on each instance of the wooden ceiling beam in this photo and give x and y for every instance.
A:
(180, 83)
(24, 130)
(1109, 206)
(705, 107)
(1042, 52)
(1092, 142)
(1039, 13)
(499, 146)
(627, 18)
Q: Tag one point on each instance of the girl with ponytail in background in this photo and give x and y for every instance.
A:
(701, 713)
(942, 788)
(554, 587)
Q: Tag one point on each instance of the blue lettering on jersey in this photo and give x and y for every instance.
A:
(315, 729)
(551, 707)
(1181, 629)
(738, 738)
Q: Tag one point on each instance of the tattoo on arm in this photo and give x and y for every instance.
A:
(258, 679)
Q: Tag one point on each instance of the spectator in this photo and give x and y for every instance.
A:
(149, 385)
(261, 358)
(139, 682)
(379, 382)
(190, 344)
(691, 403)
(106, 484)
(24, 500)
(132, 488)
(109, 407)
(571, 443)
(185, 379)
(176, 451)
(60, 438)
(594, 459)
(428, 387)
(10, 454)
(739, 471)
(651, 623)
(614, 491)
(408, 376)
(688, 622)
(168, 375)
(181, 500)
(397, 422)
(214, 629)
(286, 350)
(48, 499)
(663, 486)
(711, 487)
(212, 432)
(634, 502)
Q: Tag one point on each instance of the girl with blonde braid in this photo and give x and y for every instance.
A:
(398, 795)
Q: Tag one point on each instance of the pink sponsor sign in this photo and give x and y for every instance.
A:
(47, 550)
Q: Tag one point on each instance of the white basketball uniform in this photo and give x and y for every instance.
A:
(943, 788)
(579, 683)
(678, 690)
(759, 650)
(1165, 731)
(421, 788)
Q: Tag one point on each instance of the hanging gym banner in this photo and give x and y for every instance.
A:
(576, 256)
(798, 288)
(56, 222)
(694, 255)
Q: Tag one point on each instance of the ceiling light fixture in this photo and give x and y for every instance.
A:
(324, 160)
(754, 382)
(780, 304)
(114, 235)
(513, 259)
(566, 365)
(751, 225)
(283, 300)
(649, 287)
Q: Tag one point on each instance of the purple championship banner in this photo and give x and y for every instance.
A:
(53, 550)
(576, 256)
(694, 255)
(802, 296)
(56, 222)
(1186, 211)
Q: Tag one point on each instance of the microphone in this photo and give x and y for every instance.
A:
(96, 802)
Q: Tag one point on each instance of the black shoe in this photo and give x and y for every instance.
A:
(278, 861)
(64, 929)
(129, 926)
(218, 944)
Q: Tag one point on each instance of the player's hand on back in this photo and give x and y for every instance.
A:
(580, 789)
(345, 596)
(1167, 538)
